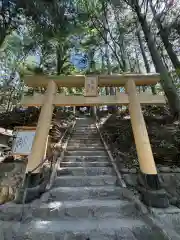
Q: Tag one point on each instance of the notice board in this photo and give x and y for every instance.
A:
(23, 141)
(91, 86)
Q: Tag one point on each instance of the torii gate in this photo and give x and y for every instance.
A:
(91, 98)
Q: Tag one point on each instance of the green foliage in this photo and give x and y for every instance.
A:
(106, 32)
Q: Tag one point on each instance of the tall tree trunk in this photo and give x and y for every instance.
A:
(102, 61)
(110, 90)
(153, 88)
(139, 70)
(166, 80)
(124, 56)
(108, 64)
(103, 58)
(92, 65)
(2, 38)
(164, 36)
(58, 56)
(10, 99)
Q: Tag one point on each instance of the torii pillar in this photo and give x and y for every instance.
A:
(38, 152)
(149, 184)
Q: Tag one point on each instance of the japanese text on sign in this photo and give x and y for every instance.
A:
(91, 86)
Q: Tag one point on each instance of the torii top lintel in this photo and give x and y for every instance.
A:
(114, 80)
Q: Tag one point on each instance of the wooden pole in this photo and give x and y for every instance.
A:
(144, 151)
(40, 140)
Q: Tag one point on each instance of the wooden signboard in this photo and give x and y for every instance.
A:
(91, 86)
(23, 142)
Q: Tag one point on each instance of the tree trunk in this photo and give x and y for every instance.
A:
(166, 80)
(139, 70)
(3, 32)
(107, 90)
(164, 36)
(92, 65)
(10, 99)
(153, 88)
(60, 58)
(58, 55)
(121, 44)
(102, 61)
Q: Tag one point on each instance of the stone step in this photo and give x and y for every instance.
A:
(85, 138)
(75, 229)
(86, 209)
(78, 181)
(85, 159)
(83, 145)
(81, 126)
(85, 131)
(85, 171)
(72, 209)
(85, 126)
(85, 148)
(88, 141)
(81, 193)
(85, 123)
(85, 141)
(170, 219)
(86, 153)
(85, 164)
(88, 128)
(85, 135)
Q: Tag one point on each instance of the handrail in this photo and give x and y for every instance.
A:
(59, 160)
(48, 158)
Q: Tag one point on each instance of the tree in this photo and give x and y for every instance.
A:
(108, 32)
(166, 80)
(165, 38)
(146, 63)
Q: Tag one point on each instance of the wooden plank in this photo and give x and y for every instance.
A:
(119, 99)
(116, 80)
(32, 100)
(147, 98)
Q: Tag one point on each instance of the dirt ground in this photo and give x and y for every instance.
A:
(164, 134)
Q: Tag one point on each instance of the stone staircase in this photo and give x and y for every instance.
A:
(85, 203)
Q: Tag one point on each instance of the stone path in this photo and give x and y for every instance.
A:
(85, 202)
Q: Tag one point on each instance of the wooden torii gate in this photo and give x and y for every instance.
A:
(91, 98)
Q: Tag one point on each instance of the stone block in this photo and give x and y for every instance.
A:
(156, 198)
(130, 179)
